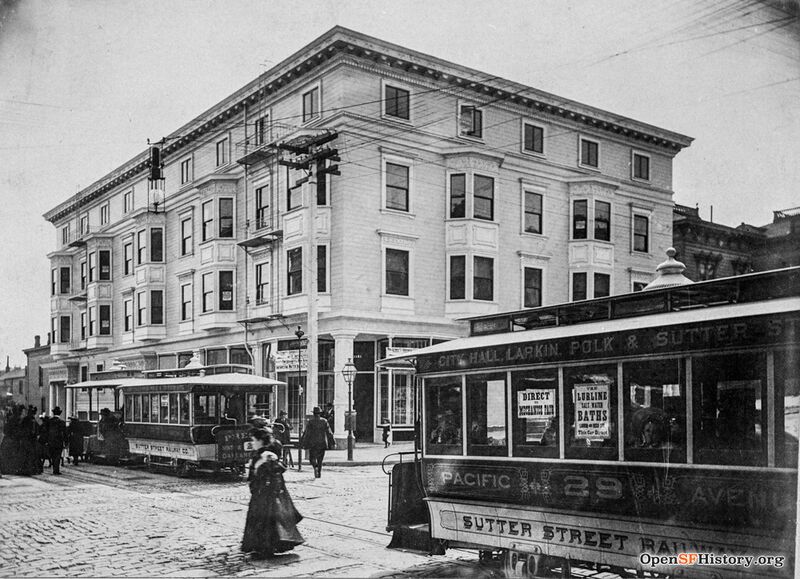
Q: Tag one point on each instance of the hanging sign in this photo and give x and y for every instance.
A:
(592, 411)
(286, 361)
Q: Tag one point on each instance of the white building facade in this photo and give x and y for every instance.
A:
(458, 194)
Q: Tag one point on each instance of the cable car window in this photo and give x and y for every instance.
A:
(443, 415)
(590, 397)
(205, 409)
(154, 405)
(655, 411)
(535, 412)
(787, 407)
(184, 408)
(137, 408)
(729, 409)
(128, 408)
(164, 409)
(486, 415)
(173, 409)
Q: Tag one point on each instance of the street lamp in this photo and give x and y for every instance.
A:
(348, 373)
(299, 333)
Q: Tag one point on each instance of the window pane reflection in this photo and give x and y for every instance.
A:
(486, 404)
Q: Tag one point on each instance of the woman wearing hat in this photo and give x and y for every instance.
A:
(271, 525)
(317, 438)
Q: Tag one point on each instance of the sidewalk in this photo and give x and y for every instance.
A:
(364, 453)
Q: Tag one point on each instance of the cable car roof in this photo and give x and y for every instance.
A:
(232, 379)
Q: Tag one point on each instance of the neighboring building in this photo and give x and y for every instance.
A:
(37, 383)
(710, 250)
(459, 194)
(12, 385)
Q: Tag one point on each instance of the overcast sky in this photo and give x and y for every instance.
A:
(85, 83)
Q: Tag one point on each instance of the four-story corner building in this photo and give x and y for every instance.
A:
(457, 194)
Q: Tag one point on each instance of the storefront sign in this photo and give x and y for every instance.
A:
(286, 361)
(392, 351)
(592, 413)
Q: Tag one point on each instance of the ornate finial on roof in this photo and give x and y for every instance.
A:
(669, 273)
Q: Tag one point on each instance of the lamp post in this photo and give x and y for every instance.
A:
(299, 333)
(348, 373)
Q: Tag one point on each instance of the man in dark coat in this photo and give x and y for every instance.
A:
(56, 435)
(316, 438)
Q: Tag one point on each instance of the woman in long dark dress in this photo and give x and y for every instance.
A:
(271, 525)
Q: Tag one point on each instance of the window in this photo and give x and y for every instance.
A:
(590, 151)
(397, 272)
(104, 257)
(226, 217)
(262, 207)
(311, 104)
(580, 217)
(294, 271)
(53, 281)
(141, 311)
(294, 193)
(470, 122)
(222, 152)
(483, 198)
(65, 334)
(226, 291)
(187, 246)
(396, 102)
(260, 128)
(483, 279)
(105, 320)
(92, 267)
(458, 195)
(208, 220)
(65, 235)
(127, 202)
(322, 183)
(730, 404)
(641, 166)
(322, 269)
(83, 325)
(186, 302)
(655, 411)
(65, 279)
(590, 404)
(83, 275)
(141, 248)
(486, 415)
(262, 282)
(787, 389)
(532, 295)
(104, 214)
(602, 220)
(186, 170)
(535, 413)
(641, 227)
(602, 285)
(579, 291)
(92, 320)
(458, 277)
(208, 292)
(533, 212)
(127, 252)
(443, 415)
(397, 186)
(128, 314)
(53, 330)
(84, 225)
(156, 307)
(639, 286)
(532, 139)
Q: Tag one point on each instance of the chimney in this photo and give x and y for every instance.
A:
(8, 368)
(37, 341)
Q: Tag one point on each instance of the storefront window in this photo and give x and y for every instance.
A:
(787, 419)
(443, 415)
(729, 402)
(655, 411)
(486, 415)
(535, 412)
(403, 399)
(590, 397)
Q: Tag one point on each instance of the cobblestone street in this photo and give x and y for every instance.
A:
(107, 521)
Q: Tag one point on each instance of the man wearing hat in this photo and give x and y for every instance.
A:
(316, 438)
(56, 435)
(283, 434)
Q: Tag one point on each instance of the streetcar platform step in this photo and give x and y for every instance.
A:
(415, 538)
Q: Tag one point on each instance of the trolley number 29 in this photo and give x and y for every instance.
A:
(605, 487)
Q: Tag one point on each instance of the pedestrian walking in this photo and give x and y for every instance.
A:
(10, 458)
(271, 524)
(328, 415)
(56, 436)
(387, 433)
(75, 439)
(317, 438)
(283, 432)
(29, 463)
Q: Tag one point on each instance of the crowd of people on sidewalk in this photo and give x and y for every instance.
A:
(31, 440)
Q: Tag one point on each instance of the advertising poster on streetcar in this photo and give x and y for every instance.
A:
(538, 408)
(592, 411)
